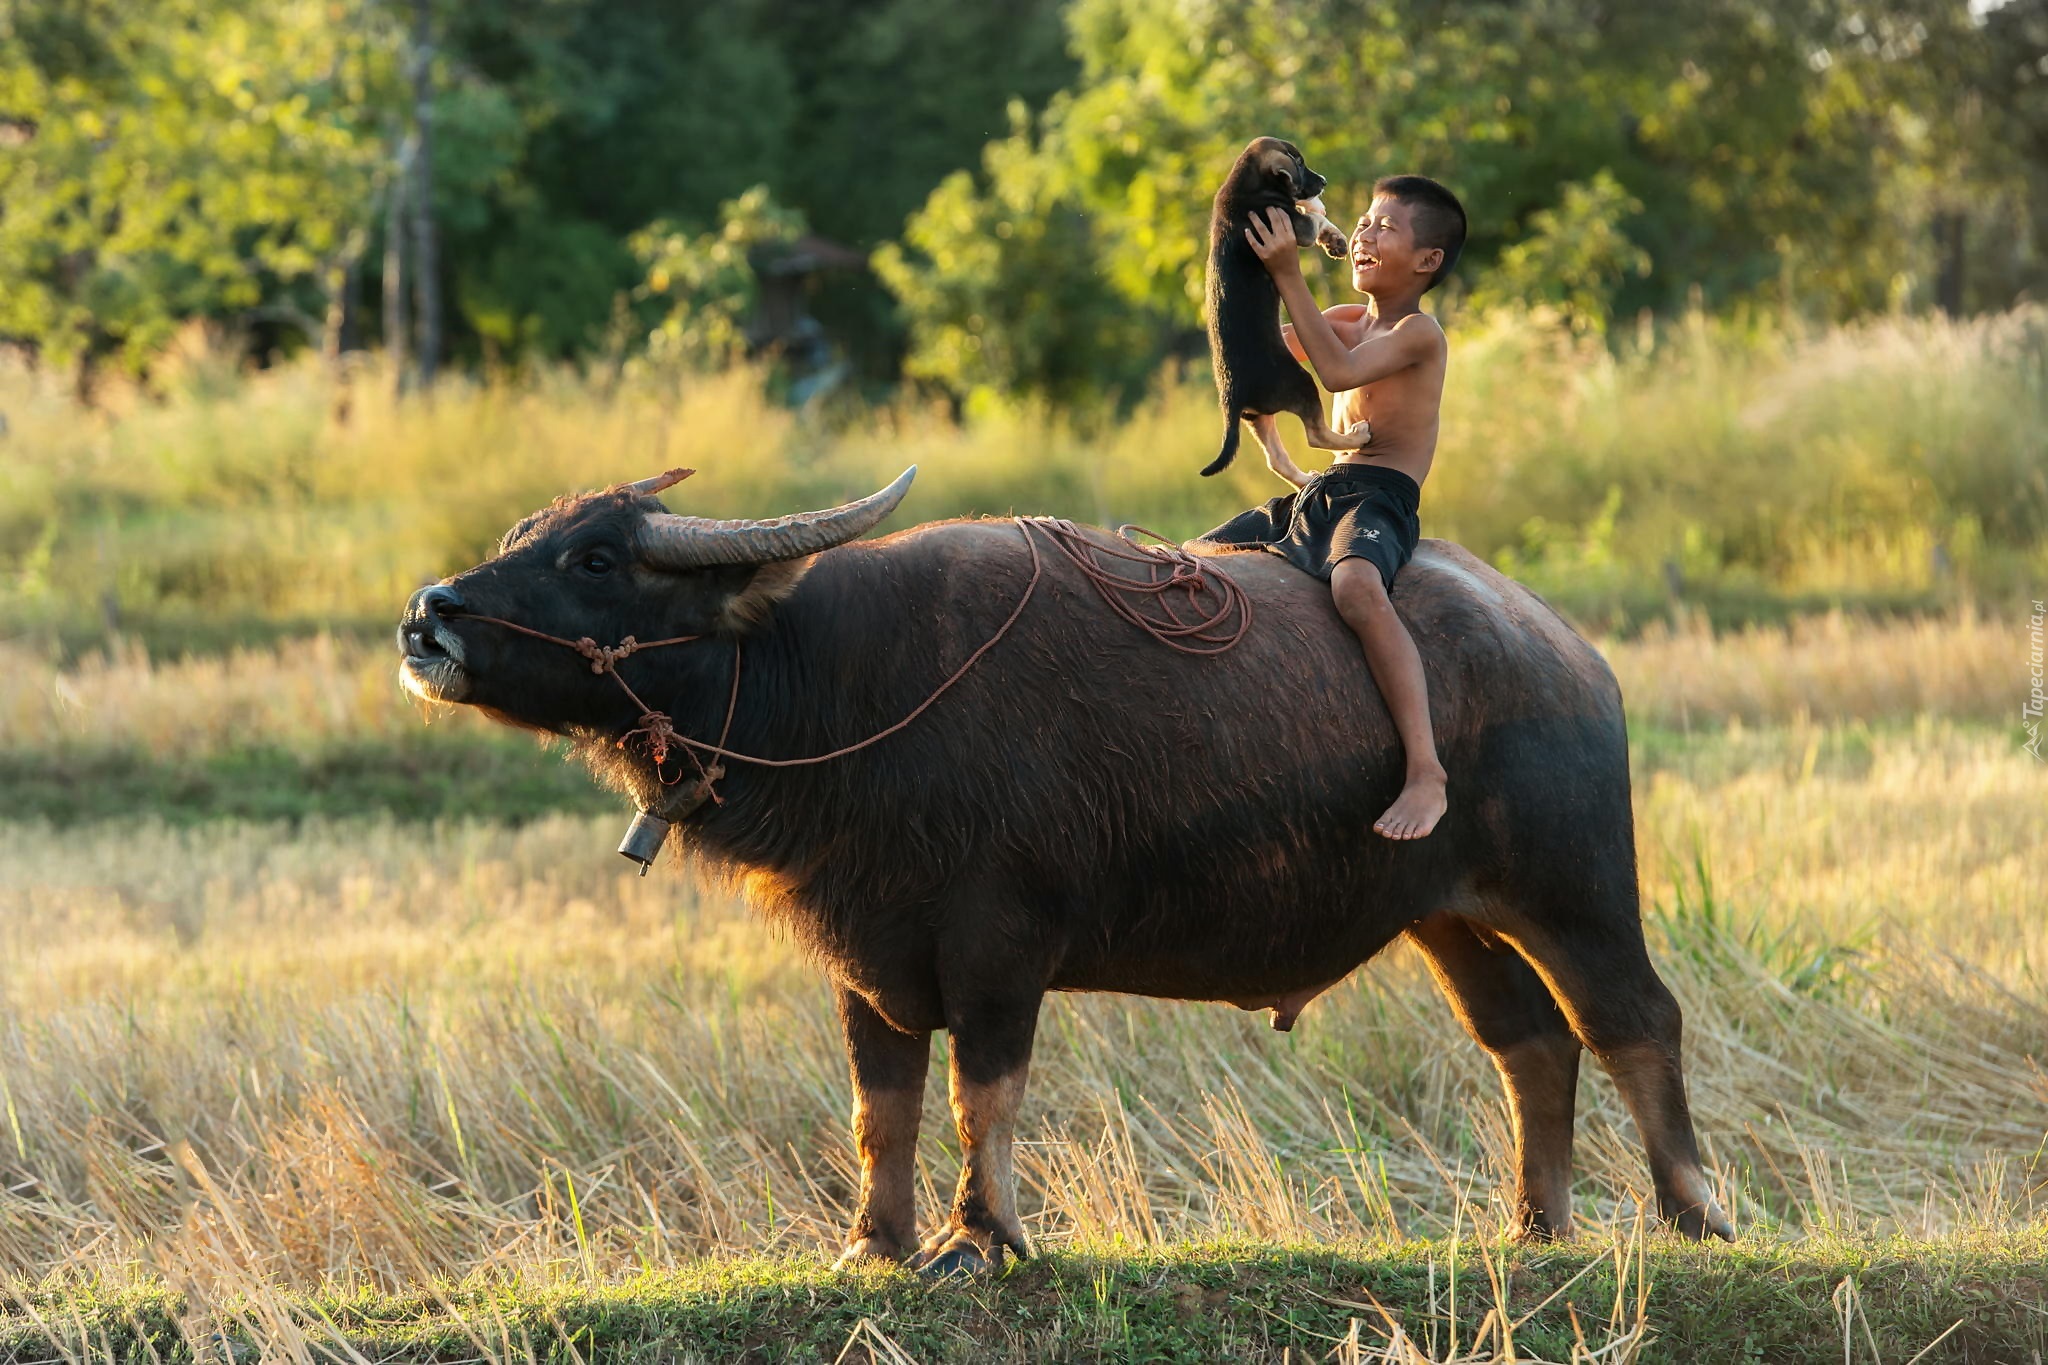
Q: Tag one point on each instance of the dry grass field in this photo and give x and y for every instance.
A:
(273, 1067)
(331, 1029)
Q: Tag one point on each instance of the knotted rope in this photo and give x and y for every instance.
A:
(1214, 633)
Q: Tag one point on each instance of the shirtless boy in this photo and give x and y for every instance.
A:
(1354, 524)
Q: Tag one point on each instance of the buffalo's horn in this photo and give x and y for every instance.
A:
(649, 487)
(672, 542)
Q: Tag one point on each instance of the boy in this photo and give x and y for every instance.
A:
(1354, 525)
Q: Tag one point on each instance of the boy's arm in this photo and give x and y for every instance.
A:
(1267, 429)
(1338, 313)
(1338, 366)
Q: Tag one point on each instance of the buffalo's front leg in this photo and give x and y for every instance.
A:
(989, 1046)
(888, 1091)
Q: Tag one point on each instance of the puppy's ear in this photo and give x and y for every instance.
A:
(1276, 161)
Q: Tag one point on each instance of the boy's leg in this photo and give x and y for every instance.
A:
(1397, 667)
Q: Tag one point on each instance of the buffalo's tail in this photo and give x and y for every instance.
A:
(1231, 435)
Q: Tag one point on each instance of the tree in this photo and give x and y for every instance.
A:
(186, 159)
(998, 281)
(1611, 158)
(425, 236)
(1573, 257)
(906, 93)
(249, 161)
(616, 115)
(705, 283)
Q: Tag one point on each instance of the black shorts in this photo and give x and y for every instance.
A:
(1348, 510)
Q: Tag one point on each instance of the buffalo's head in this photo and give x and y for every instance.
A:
(605, 566)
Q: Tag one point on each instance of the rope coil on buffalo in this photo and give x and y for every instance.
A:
(1219, 614)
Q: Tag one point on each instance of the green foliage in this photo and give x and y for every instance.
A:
(999, 285)
(1550, 555)
(1720, 151)
(183, 159)
(166, 160)
(1742, 470)
(619, 115)
(535, 288)
(186, 159)
(901, 93)
(708, 283)
(1574, 256)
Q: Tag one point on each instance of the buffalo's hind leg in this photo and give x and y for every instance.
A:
(1599, 970)
(888, 1093)
(1508, 1010)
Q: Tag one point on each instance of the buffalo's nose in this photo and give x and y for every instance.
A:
(417, 635)
(436, 599)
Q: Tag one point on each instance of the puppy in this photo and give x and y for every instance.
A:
(1255, 374)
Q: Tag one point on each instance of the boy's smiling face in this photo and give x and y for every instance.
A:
(1384, 257)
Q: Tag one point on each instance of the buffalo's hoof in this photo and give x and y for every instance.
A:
(1701, 1221)
(873, 1249)
(1540, 1232)
(961, 1260)
(962, 1253)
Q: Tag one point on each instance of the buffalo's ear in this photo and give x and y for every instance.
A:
(770, 583)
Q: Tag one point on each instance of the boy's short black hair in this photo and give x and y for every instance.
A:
(1439, 217)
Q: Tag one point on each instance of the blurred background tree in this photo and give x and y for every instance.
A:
(162, 160)
(1037, 175)
(706, 286)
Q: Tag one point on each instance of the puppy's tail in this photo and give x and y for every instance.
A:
(1231, 435)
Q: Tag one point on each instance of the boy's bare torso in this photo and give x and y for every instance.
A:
(1403, 407)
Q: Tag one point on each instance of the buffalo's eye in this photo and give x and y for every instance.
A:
(597, 564)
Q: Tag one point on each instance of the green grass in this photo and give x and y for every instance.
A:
(509, 778)
(1977, 1300)
(471, 776)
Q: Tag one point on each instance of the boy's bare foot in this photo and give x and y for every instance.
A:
(1416, 810)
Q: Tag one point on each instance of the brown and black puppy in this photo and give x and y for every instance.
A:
(1255, 374)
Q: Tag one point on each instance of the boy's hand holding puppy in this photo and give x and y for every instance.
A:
(1272, 237)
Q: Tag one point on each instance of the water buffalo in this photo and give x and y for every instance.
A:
(1087, 810)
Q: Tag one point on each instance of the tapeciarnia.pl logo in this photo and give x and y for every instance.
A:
(2037, 694)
